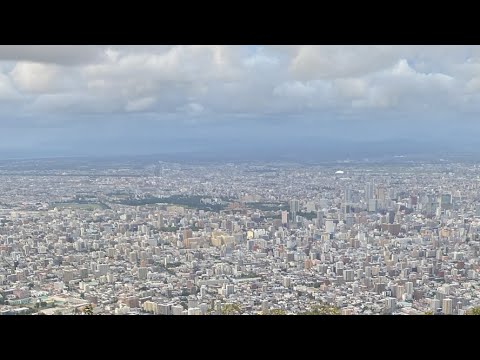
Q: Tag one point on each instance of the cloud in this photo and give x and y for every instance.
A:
(140, 104)
(192, 109)
(296, 88)
(54, 54)
(37, 77)
(238, 81)
(320, 62)
(7, 91)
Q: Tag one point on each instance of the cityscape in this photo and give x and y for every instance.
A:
(239, 180)
(170, 238)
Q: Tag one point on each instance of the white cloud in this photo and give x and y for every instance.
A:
(320, 62)
(192, 109)
(351, 87)
(7, 91)
(296, 89)
(37, 77)
(260, 59)
(239, 80)
(140, 104)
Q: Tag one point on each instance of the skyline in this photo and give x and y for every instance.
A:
(284, 100)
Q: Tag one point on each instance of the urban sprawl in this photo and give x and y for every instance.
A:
(213, 239)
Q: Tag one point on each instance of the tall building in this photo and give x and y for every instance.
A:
(329, 226)
(446, 201)
(160, 221)
(284, 217)
(319, 219)
(187, 234)
(348, 275)
(477, 210)
(390, 304)
(369, 191)
(142, 273)
(447, 306)
(294, 209)
(348, 196)
(409, 288)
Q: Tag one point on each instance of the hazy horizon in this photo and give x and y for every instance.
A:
(232, 101)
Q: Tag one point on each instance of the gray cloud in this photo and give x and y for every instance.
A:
(54, 54)
(215, 81)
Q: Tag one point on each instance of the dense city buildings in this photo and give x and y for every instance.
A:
(178, 239)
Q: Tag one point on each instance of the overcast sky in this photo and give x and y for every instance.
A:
(136, 98)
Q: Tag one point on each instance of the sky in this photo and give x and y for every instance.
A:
(115, 100)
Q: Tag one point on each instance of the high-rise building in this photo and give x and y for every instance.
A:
(229, 289)
(329, 226)
(446, 201)
(142, 273)
(294, 209)
(477, 210)
(187, 234)
(447, 306)
(348, 196)
(369, 191)
(319, 219)
(390, 304)
(348, 275)
(284, 217)
(409, 288)
(68, 275)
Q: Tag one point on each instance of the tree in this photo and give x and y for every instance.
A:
(428, 312)
(231, 309)
(57, 312)
(474, 311)
(322, 309)
(275, 312)
(88, 310)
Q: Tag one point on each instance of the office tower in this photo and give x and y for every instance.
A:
(286, 281)
(284, 217)
(368, 271)
(103, 269)
(229, 289)
(329, 226)
(348, 196)
(294, 209)
(83, 273)
(391, 216)
(477, 210)
(372, 205)
(435, 304)
(319, 219)
(446, 201)
(68, 275)
(187, 234)
(447, 306)
(142, 273)
(348, 275)
(409, 288)
(369, 191)
(110, 278)
(160, 221)
(399, 292)
(390, 305)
